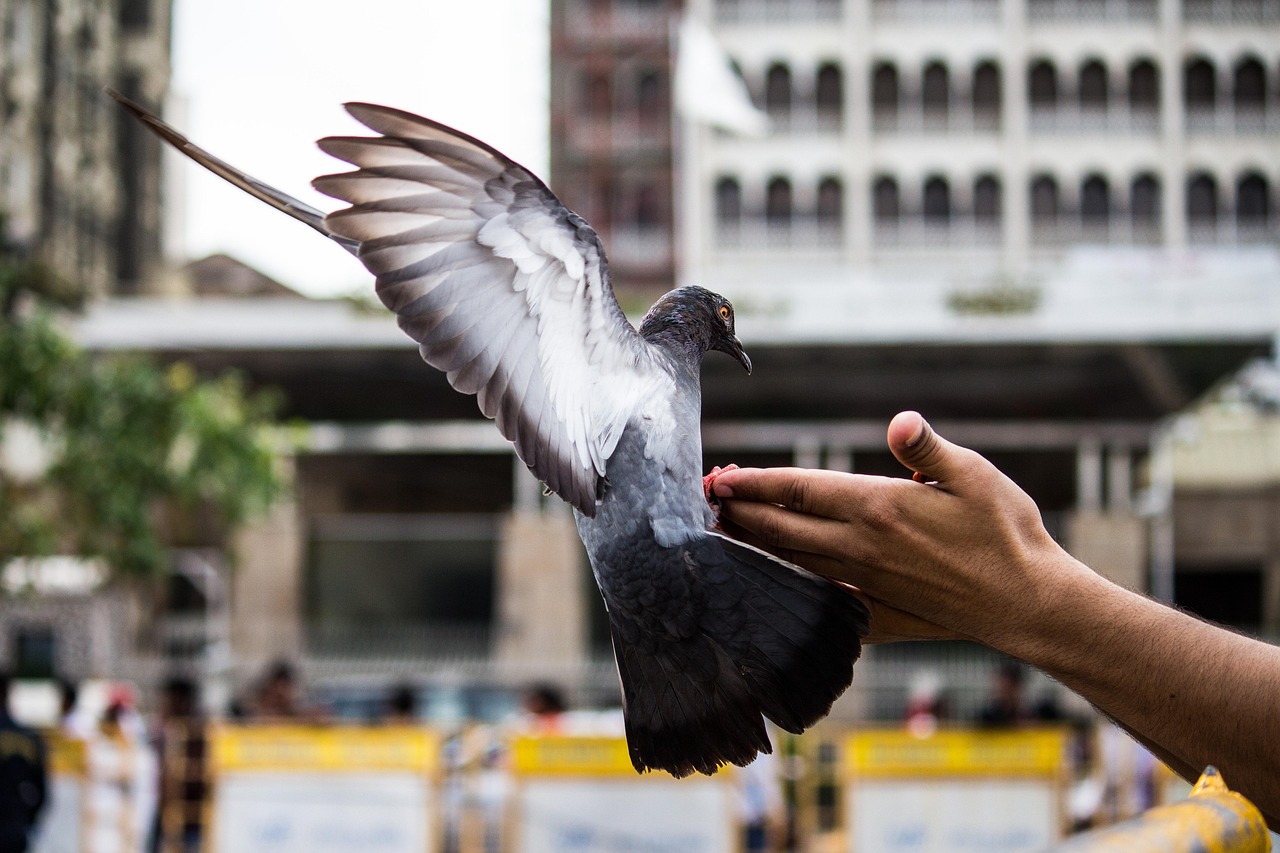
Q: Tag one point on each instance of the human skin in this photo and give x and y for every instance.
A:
(959, 551)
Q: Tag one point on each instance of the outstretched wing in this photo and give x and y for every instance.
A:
(502, 287)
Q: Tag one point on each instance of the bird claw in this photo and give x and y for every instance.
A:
(708, 482)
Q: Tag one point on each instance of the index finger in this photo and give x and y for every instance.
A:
(812, 492)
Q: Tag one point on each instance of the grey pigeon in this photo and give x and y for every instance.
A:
(507, 292)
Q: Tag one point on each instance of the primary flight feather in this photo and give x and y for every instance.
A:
(507, 292)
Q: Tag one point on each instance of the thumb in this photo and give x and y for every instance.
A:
(918, 447)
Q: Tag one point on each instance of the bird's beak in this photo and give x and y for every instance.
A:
(733, 347)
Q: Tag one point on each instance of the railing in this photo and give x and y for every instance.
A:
(1230, 231)
(1233, 12)
(935, 11)
(625, 21)
(805, 118)
(909, 118)
(621, 132)
(777, 11)
(439, 641)
(1069, 118)
(799, 233)
(1231, 119)
(1068, 229)
(636, 249)
(917, 232)
(1092, 11)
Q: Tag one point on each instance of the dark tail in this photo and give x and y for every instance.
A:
(770, 640)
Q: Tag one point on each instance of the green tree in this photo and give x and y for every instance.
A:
(120, 456)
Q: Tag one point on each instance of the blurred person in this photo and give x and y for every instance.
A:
(1005, 704)
(761, 808)
(23, 778)
(276, 698)
(181, 747)
(121, 720)
(959, 551)
(544, 706)
(402, 706)
(72, 721)
(927, 705)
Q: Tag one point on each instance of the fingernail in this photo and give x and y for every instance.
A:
(721, 490)
(919, 434)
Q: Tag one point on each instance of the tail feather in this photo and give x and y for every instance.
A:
(768, 639)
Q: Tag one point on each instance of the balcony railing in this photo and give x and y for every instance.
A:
(618, 21)
(913, 118)
(1233, 120)
(1233, 12)
(914, 232)
(797, 233)
(1230, 231)
(1068, 229)
(637, 249)
(436, 641)
(935, 11)
(621, 132)
(805, 119)
(1092, 11)
(776, 11)
(1066, 119)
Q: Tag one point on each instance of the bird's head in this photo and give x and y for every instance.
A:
(696, 319)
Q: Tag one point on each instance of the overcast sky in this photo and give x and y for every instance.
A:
(256, 83)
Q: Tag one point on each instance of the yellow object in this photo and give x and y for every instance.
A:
(898, 753)
(1213, 819)
(313, 748)
(554, 755)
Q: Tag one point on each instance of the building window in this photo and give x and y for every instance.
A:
(728, 201)
(937, 200)
(936, 89)
(1253, 199)
(1144, 85)
(35, 652)
(1095, 200)
(829, 93)
(1250, 84)
(649, 95)
(830, 202)
(1093, 85)
(1144, 200)
(1044, 199)
(1200, 85)
(599, 95)
(1202, 199)
(885, 92)
(647, 209)
(986, 88)
(886, 200)
(135, 14)
(777, 204)
(777, 89)
(1042, 84)
(986, 198)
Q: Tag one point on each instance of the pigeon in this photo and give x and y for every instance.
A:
(507, 291)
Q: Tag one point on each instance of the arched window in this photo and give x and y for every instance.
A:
(1253, 199)
(1249, 89)
(599, 95)
(828, 93)
(830, 201)
(1202, 199)
(885, 90)
(1093, 85)
(937, 199)
(886, 201)
(1144, 85)
(777, 203)
(647, 209)
(986, 198)
(649, 95)
(986, 88)
(1199, 83)
(1095, 199)
(1144, 200)
(728, 201)
(777, 89)
(1044, 199)
(1042, 84)
(936, 87)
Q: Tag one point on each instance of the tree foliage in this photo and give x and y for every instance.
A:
(136, 455)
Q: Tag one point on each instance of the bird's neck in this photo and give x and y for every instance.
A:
(684, 348)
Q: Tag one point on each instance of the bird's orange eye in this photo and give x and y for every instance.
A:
(725, 312)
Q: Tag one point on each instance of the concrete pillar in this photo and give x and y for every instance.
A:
(1089, 476)
(1114, 544)
(1119, 480)
(541, 630)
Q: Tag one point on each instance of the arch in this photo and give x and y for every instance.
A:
(886, 201)
(986, 87)
(1044, 199)
(777, 88)
(778, 201)
(728, 200)
(1199, 83)
(937, 199)
(1249, 84)
(828, 94)
(1253, 199)
(1042, 84)
(935, 88)
(830, 201)
(647, 207)
(1095, 199)
(649, 99)
(598, 94)
(986, 198)
(1144, 199)
(886, 88)
(1094, 87)
(1144, 85)
(1202, 199)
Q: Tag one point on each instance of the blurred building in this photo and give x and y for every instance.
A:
(79, 179)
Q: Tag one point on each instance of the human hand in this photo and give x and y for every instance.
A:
(958, 550)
